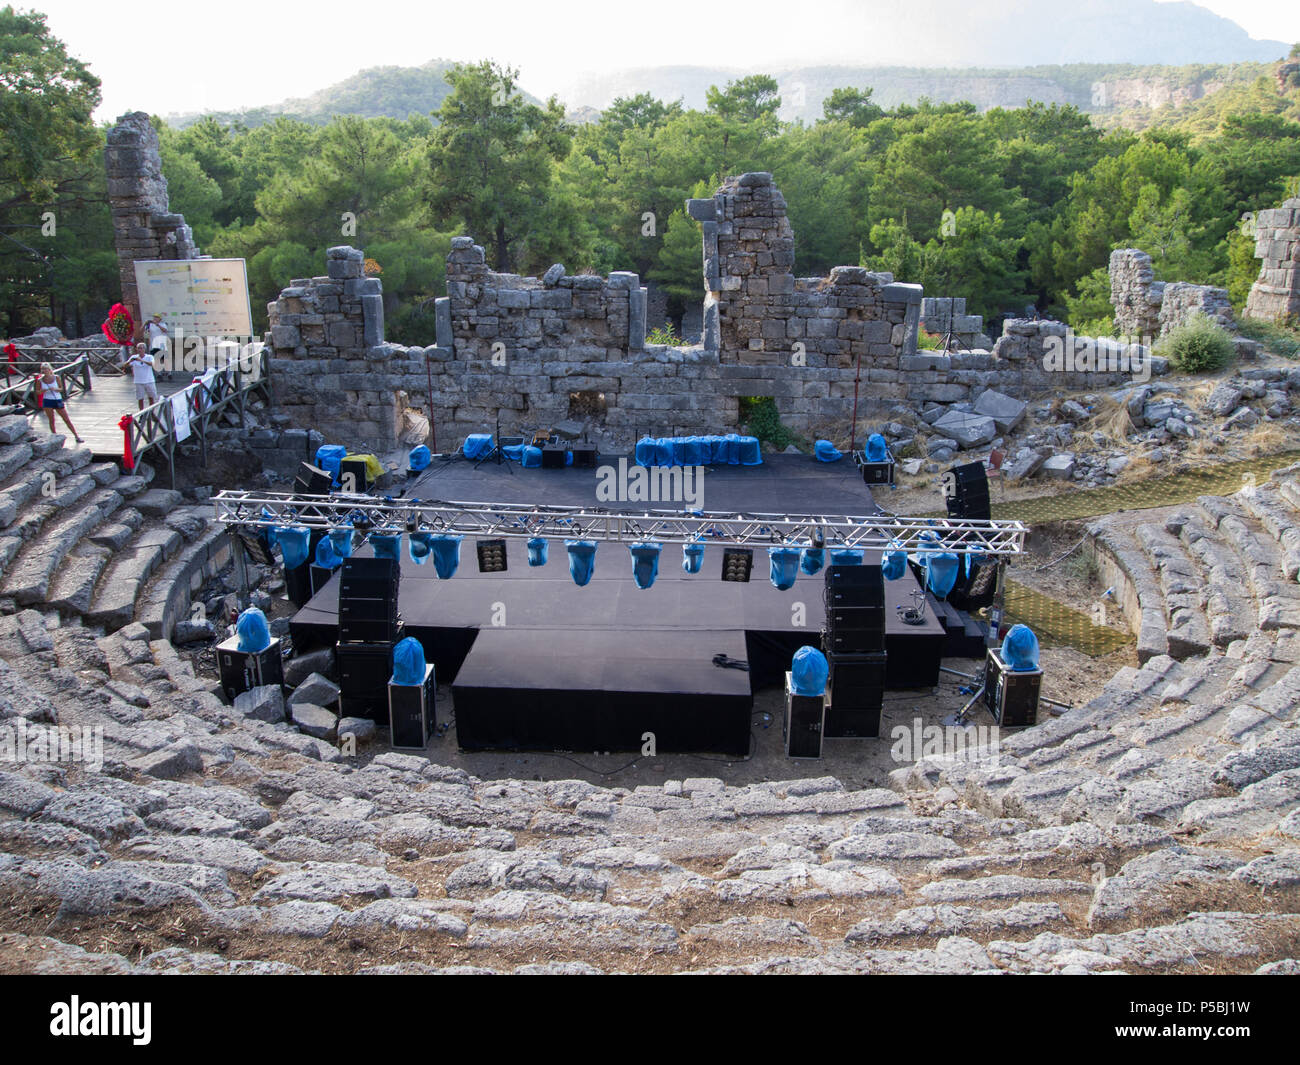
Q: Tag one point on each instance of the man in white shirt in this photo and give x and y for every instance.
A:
(141, 365)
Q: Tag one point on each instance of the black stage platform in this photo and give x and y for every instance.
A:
(539, 662)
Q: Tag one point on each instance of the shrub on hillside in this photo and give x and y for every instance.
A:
(1197, 346)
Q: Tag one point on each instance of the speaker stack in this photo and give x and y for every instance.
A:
(854, 644)
(369, 627)
(966, 492)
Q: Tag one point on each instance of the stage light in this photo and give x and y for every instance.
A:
(341, 541)
(294, 541)
(537, 551)
(446, 554)
(692, 557)
(645, 563)
(736, 564)
(847, 556)
(491, 555)
(387, 545)
(784, 566)
(894, 565)
(420, 546)
(582, 560)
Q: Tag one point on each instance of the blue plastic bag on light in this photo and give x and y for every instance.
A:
(696, 451)
(419, 458)
(894, 565)
(645, 451)
(329, 457)
(537, 551)
(692, 557)
(446, 554)
(419, 545)
(478, 445)
(253, 632)
(386, 545)
(582, 560)
(784, 566)
(408, 662)
(940, 573)
(1020, 649)
(808, 672)
(877, 448)
(814, 558)
(532, 457)
(295, 543)
(645, 563)
(514, 452)
(341, 541)
(847, 556)
(326, 556)
(827, 452)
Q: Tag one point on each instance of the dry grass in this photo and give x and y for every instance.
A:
(1268, 438)
(1113, 421)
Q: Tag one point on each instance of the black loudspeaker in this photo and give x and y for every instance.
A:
(1011, 695)
(977, 589)
(855, 610)
(364, 671)
(354, 475)
(312, 481)
(966, 492)
(319, 576)
(805, 717)
(368, 590)
(412, 712)
(554, 457)
(243, 671)
(855, 695)
(875, 472)
(584, 456)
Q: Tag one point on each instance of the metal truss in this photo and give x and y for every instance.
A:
(524, 520)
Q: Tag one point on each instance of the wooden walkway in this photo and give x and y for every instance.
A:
(97, 412)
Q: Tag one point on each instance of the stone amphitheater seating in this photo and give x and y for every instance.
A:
(1154, 829)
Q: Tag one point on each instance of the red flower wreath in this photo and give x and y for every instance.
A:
(120, 326)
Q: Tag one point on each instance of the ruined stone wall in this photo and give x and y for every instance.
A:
(947, 315)
(1276, 292)
(1148, 308)
(143, 225)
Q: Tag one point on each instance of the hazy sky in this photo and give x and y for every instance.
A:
(163, 56)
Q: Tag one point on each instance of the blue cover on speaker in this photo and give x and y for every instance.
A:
(1020, 649)
(663, 455)
(326, 557)
(877, 449)
(814, 558)
(748, 452)
(645, 451)
(294, 541)
(419, 545)
(419, 458)
(894, 565)
(329, 457)
(696, 452)
(847, 556)
(477, 445)
(940, 573)
(784, 566)
(678, 445)
(717, 450)
(692, 557)
(253, 632)
(341, 541)
(645, 563)
(582, 560)
(514, 452)
(386, 545)
(827, 452)
(532, 457)
(537, 550)
(408, 662)
(808, 672)
(446, 554)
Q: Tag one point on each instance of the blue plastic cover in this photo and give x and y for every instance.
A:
(894, 565)
(847, 556)
(1020, 649)
(341, 541)
(419, 545)
(446, 554)
(408, 662)
(784, 566)
(478, 445)
(678, 445)
(733, 449)
(645, 451)
(252, 630)
(645, 563)
(696, 452)
(717, 450)
(326, 557)
(692, 557)
(419, 458)
(940, 573)
(295, 542)
(877, 449)
(386, 545)
(582, 560)
(663, 452)
(814, 558)
(532, 456)
(514, 452)
(329, 457)
(825, 451)
(808, 672)
(568, 457)
(537, 549)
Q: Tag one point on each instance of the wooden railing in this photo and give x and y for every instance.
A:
(106, 361)
(74, 379)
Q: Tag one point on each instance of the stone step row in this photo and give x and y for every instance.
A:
(28, 577)
(1119, 545)
(1187, 629)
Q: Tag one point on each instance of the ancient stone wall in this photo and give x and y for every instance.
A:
(946, 315)
(1276, 292)
(1145, 307)
(143, 225)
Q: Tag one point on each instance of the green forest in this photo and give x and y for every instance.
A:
(1010, 207)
